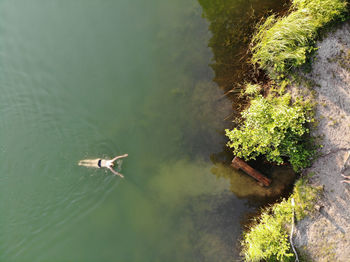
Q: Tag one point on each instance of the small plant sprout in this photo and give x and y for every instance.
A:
(252, 89)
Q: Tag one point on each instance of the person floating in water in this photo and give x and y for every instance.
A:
(98, 163)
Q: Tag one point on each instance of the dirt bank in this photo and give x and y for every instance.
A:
(326, 235)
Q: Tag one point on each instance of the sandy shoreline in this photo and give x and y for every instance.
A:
(326, 235)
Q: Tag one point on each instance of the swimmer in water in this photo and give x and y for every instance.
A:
(98, 163)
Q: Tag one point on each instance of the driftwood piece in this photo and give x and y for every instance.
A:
(238, 163)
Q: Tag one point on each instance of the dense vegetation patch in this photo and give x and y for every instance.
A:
(276, 128)
(283, 43)
(268, 238)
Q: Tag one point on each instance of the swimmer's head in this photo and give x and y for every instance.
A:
(110, 164)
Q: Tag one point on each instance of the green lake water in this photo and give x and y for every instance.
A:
(84, 79)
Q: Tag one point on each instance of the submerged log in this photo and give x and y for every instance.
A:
(238, 163)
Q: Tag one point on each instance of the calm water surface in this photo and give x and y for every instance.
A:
(85, 79)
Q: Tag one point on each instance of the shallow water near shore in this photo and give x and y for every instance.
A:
(86, 79)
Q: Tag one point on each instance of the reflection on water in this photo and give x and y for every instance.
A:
(232, 24)
(244, 186)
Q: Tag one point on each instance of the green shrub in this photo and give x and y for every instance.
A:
(275, 128)
(283, 43)
(252, 89)
(268, 238)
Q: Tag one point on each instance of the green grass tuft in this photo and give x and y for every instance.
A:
(281, 44)
(268, 238)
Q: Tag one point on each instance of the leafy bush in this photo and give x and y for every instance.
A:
(275, 128)
(268, 238)
(283, 43)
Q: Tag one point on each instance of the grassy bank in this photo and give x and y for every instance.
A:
(277, 127)
(268, 237)
(281, 44)
(273, 126)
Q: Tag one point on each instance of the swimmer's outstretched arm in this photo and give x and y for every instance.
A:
(117, 157)
(115, 172)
